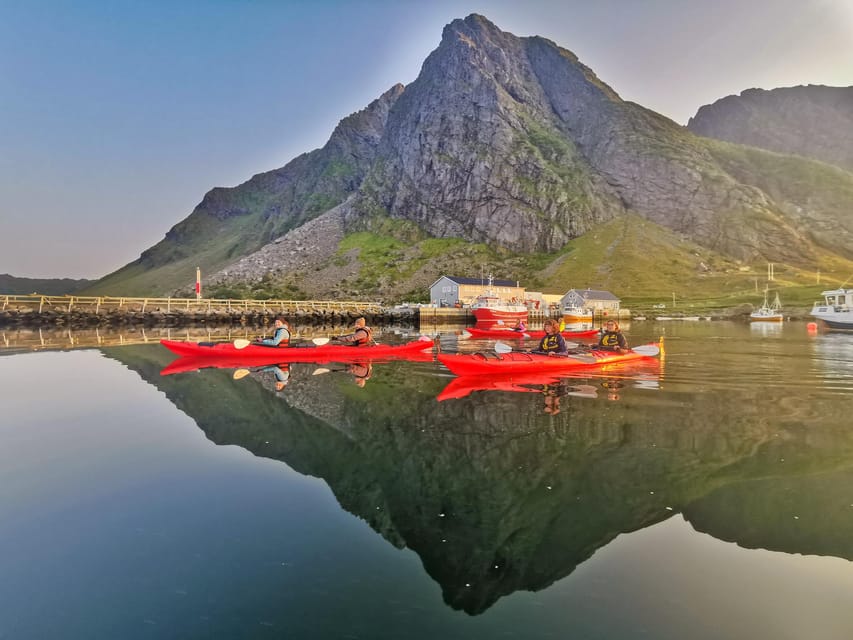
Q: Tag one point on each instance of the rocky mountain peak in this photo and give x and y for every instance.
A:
(813, 121)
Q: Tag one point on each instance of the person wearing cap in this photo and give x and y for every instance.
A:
(363, 335)
(612, 338)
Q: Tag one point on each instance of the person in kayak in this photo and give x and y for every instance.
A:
(520, 326)
(363, 335)
(281, 337)
(612, 338)
(553, 343)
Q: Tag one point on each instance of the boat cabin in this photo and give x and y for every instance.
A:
(836, 310)
(837, 298)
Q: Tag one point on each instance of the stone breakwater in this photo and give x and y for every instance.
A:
(131, 318)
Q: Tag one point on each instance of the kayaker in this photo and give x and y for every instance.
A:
(553, 343)
(281, 337)
(612, 338)
(520, 326)
(363, 335)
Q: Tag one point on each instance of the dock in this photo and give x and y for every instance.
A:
(36, 310)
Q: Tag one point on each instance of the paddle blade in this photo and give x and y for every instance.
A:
(572, 345)
(320, 371)
(647, 350)
(240, 343)
(320, 341)
(240, 373)
(464, 335)
(500, 347)
(424, 339)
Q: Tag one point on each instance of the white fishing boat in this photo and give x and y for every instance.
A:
(836, 310)
(576, 314)
(768, 312)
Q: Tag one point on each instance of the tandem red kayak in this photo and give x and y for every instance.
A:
(471, 364)
(257, 354)
(538, 335)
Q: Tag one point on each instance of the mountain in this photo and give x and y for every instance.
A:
(509, 151)
(46, 286)
(813, 121)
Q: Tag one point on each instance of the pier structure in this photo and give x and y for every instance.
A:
(103, 310)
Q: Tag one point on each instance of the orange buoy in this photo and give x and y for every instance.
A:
(811, 327)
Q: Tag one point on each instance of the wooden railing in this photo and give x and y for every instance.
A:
(51, 339)
(98, 304)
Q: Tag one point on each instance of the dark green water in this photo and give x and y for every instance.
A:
(709, 496)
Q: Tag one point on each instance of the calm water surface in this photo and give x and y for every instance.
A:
(708, 495)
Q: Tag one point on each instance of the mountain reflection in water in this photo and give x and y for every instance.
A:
(497, 496)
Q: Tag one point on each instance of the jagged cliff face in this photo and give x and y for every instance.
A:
(812, 121)
(472, 150)
(514, 143)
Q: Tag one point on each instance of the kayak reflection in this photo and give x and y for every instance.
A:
(643, 374)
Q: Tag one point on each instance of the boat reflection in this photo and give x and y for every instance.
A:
(766, 329)
(834, 358)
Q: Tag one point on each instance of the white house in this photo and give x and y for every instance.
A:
(597, 301)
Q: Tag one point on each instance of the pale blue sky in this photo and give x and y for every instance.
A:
(117, 116)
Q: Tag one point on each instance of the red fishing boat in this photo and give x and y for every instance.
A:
(489, 307)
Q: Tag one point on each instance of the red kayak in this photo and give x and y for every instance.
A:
(472, 364)
(538, 335)
(185, 364)
(257, 354)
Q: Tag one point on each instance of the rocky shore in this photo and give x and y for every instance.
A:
(77, 318)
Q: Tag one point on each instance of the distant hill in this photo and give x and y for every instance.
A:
(813, 121)
(509, 152)
(45, 286)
